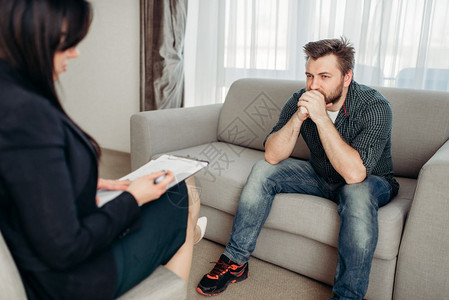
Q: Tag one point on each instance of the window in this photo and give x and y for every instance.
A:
(398, 43)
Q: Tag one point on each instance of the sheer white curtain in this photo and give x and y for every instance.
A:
(399, 43)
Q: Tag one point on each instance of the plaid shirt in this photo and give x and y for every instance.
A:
(364, 122)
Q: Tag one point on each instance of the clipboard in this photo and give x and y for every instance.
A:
(181, 166)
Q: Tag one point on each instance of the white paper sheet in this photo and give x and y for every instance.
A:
(181, 167)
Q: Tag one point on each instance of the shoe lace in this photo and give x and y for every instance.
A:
(220, 269)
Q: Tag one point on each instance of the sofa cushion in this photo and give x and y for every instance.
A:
(221, 184)
(251, 110)
(317, 218)
(415, 136)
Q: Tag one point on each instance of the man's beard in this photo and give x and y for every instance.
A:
(335, 95)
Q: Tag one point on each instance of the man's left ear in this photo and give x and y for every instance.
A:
(347, 78)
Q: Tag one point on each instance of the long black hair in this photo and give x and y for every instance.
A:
(32, 31)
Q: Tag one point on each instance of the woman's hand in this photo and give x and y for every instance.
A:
(114, 185)
(145, 190)
(110, 184)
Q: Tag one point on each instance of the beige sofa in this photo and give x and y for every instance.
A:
(301, 231)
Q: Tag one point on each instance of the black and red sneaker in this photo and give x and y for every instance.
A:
(224, 273)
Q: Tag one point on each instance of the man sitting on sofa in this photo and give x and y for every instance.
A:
(347, 128)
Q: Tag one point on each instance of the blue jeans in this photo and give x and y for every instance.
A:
(357, 207)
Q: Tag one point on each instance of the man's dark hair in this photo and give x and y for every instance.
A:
(341, 48)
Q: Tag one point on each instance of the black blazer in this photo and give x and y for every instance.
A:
(58, 237)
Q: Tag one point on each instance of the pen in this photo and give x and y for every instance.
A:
(160, 178)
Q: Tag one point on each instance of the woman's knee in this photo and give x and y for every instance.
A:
(177, 196)
(193, 192)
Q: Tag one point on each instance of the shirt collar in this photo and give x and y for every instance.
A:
(347, 109)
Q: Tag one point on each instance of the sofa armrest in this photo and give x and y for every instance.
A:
(160, 131)
(11, 285)
(423, 264)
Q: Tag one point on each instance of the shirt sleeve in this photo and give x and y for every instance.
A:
(287, 112)
(376, 127)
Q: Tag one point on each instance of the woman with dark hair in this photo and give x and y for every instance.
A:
(65, 246)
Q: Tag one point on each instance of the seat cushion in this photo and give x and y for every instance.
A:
(317, 218)
(221, 184)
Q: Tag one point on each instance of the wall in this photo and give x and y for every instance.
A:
(100, 91)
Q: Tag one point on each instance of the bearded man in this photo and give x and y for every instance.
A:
(347, 127)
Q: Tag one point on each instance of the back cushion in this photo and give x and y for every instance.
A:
(420, 120)
(420, 127)
(252, 108)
